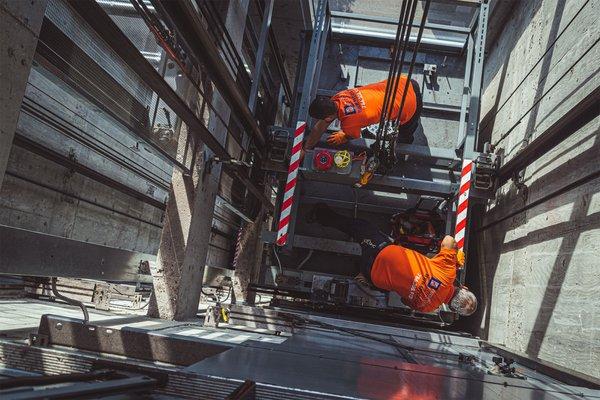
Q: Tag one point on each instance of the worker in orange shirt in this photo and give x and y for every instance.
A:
(360, 107)
(423, 283)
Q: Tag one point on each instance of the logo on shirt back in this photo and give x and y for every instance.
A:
(349, 109)
(434, 284)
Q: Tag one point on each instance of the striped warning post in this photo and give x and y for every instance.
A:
(290, 185)
(463, 203)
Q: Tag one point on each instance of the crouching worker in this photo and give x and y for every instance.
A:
(360, 107)
(423, 283)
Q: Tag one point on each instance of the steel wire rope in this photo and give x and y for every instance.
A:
(402, 44)
(414, 57)
(405, 38)
(170, 52)
(80, 72)
(391, 69)
(89, 141)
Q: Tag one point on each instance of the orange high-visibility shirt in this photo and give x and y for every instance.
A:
(422, 283)
(362, 106)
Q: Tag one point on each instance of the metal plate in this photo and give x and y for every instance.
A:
(30, 253)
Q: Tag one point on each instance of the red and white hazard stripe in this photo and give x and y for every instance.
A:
(463, 203)
(290, 185)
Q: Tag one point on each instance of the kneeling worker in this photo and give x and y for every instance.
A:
(423, 283)
(360, 107)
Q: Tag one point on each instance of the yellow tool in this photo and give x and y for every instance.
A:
(367, 171)
(224, 315)
(460, 257)
(342, 158)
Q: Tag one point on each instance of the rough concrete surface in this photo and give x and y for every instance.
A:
(185, 240)
(20, 26)
(539, 268)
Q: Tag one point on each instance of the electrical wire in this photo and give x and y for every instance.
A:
(310, 253)
(278, 260)
(404, 350)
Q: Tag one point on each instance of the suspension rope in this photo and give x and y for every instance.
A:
(405, 39)
(414, 57)
(405, 22)
(391, 71)
(385, 143)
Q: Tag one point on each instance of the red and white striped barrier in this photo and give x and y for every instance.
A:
(463, 203)
(290, 186)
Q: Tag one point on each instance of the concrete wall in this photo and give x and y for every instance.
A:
(20, 27)
(42, 196)
(539, 267)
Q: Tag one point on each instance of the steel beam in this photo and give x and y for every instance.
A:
(442, 157)
(383, 38)
(130, 383)
(31, 253)
(310, 84)
(260, 54)
(192, 31)
(133, 343)
(464, 105)
(470, 151)
(389, 183)
(68, 162)
(100, 22)
(316, 243)
(394, 21)
(350, 205)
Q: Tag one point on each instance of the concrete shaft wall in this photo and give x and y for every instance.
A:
(539, 266)
(39, 194)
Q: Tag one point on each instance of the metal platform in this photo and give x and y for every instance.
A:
(315, 357)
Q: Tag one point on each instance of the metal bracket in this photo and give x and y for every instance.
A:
(485, 174)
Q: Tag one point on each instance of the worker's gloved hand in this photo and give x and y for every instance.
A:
(337, 138)
(460, 258)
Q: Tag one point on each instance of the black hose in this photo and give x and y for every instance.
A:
(73, 302)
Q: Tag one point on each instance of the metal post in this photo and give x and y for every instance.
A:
(260, 54)
(322, 46)
(470, 153)
(479, 47)
(285, 214)
(466, 93)
(312, 60)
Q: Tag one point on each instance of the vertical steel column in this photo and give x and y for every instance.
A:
(466, 93)
(322, 44)
(313, 92)
(313, 55)
(479, 46)
(286, 215)
(469, 152)
(260, 54)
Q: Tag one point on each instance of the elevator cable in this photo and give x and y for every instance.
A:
(384, 146)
